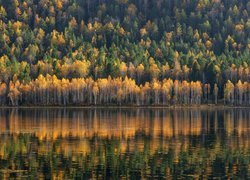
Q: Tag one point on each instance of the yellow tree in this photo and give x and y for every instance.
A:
(81, 68)
(14, 93)
(95, 92)
(246, 95)
(154, 70)
(145, 95)
(4, 71)
(63, 90)
(239, 92)
(123, 69)
(3, 93)
(176, 91)
(103, 85)
(216, 91)
(25, 90)
(206, 92)
(137, 91)
(229, 92)
(120, 96)
(131, 70)
(186, 71)
(185, 92)
(56, 90)
(74, 90)
(139, 72)
(165, 70)
(167, 87)
(198, 86)
(89, 87)
(41, 90)
(156, 87)
(3, 13)
(78, 90)
(177, 66)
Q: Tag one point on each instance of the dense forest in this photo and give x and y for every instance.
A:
(124, 52)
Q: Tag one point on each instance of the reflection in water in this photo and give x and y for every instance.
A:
(124, 143)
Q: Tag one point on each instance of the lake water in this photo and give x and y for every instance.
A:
(124, 143)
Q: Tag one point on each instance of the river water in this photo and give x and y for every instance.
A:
(127, 143)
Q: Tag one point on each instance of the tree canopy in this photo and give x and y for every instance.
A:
(146, 41)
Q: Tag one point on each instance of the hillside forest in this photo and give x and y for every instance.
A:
(124, 52)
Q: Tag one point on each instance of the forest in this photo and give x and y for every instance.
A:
(124, 52)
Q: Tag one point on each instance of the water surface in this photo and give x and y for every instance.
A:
(124, 143)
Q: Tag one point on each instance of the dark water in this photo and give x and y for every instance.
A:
(124, 143)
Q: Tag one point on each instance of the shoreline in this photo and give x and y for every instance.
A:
(210, 106)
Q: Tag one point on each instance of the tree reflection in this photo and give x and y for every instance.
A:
(124, 143)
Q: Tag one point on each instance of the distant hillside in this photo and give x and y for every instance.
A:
(147, 41)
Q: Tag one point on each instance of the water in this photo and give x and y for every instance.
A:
(124, 143)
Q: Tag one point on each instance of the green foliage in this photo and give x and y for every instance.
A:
(210, 38)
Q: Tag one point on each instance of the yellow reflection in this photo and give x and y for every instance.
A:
(174, 126)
